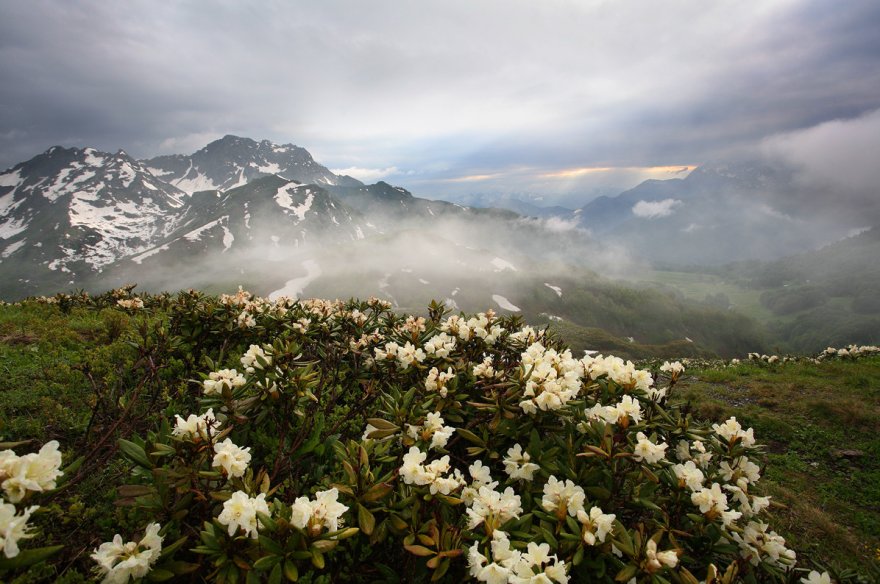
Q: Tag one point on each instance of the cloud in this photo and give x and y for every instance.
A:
(655, 209)
(441, 86)
(367, 175)
(838, 153)
(558, 224)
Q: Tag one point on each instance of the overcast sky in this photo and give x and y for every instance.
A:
(563, 98)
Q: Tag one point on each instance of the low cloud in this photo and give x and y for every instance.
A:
(367, 175)
(558, 224)
(655, 209)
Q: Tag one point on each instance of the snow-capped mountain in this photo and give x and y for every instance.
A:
(233, 162)
(270, 212)
(72, 218)
(71, 211)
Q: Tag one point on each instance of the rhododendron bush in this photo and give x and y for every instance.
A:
(340, 441)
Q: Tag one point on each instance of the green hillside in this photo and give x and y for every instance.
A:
(104, 381)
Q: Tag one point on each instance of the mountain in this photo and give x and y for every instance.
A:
(523, 204)
(81, 218)
(717, 214)
(71, 212)
(233, 161)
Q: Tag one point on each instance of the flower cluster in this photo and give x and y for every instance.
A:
(240, 512)
(324, 512)
(119, 562)
(509, 565)
(433, 475)
(131, 303)
(552, 378)
(34, 472)
(225, 378)
(432, 430)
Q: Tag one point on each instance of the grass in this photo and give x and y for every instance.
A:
(820, 423)
(821, 427)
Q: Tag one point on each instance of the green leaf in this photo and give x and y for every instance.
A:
(266, 562)
(377, 491)
(275, 575)
(626, 573)
(318, 559)
(290, 571)
(419, 550)
(135, 453)
(27, 558)
(470, 436)
(366, 520)
(160, 575)
(381, 424)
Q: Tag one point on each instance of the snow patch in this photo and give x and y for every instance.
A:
(501, 265)
(293, 288)
(270, 168)
(423, 281)
(196, 234)
(285, 197)
(228, 238)
(10, 179)
(12, 227)
(92, 159)
(556, 289)
(198, 183)
(504, 303)
(13, 247)
(139, 258)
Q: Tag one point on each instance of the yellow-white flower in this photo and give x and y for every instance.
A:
(324, 512)
(120, 562)
(240, 511)
(13, 527)
(231, 458)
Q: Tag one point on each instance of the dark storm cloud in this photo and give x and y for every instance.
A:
(436, 91)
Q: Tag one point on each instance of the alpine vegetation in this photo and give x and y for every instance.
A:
(341, 441)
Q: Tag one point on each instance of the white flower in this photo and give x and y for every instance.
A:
(120, 562)
(517, 465)
(711, 501)
(240, 511)
(433, 475)
(480, 477)
(325, 512)
(817, 578)
(597, 525)
(440, 346)
(434, 429)
(131, 304)
(689, 475)
(408, 354)
(233, 459)
(437, 380)
(35, 472)
(13, 527)
(757, 544)
(656, 560)
(647, 451)
(493, 508)
(195, 427)
(552, 379)
(732, 430)
(562, 497)
(485, 369)
(675, 369)
(217, 380)
(251, 358)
